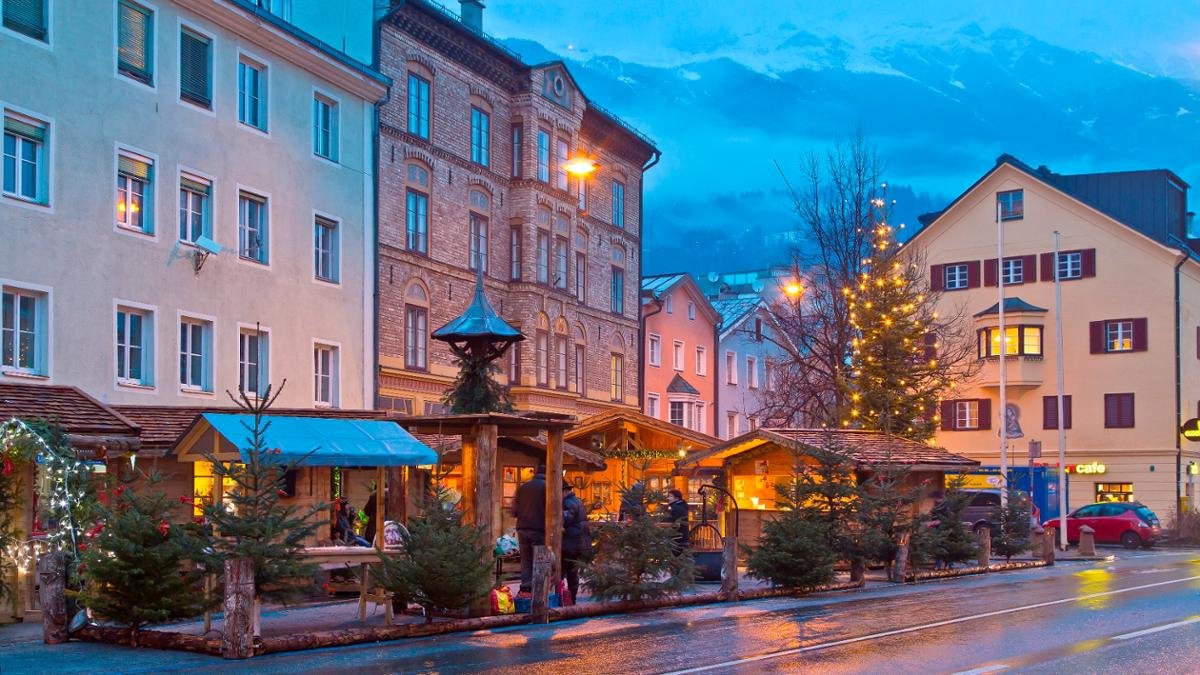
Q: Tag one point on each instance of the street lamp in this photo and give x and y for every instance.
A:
(580, 165)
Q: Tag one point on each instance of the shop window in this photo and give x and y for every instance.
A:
(1114, 492)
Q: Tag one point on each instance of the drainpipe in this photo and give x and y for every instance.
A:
(1186, 253)
(641, 262)
(712, 372)
(372, 358)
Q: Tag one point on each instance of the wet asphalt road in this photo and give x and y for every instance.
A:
(1138, 613)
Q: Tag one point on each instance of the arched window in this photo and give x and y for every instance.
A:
(617, 368)
(416, 327)
(416, 224)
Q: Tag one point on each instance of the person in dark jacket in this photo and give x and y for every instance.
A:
(577, 538)
(369, 530)
(677, 512)
(529, 507)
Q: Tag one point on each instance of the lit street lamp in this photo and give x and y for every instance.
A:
(580, 166)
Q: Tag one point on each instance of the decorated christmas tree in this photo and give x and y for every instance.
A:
(896, 377)
(636, 559)
(137, 568)
(254, 523)
(443, 565)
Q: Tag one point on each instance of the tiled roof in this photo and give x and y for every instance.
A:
(163, 425)
(658, 284)
(77, 412)
(866, 448)
(597, 423)
(679, 385)
(1012, 305)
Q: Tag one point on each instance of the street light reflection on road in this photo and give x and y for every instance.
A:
(1098, 580)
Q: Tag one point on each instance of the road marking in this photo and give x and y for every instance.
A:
(1156, 629)
(984, 670)
(913, 629)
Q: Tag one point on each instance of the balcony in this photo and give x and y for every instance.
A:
(1022, 371)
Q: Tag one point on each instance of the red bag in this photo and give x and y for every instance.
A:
(564, 594)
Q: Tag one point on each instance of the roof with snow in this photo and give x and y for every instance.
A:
(733, 310)
(660, 283)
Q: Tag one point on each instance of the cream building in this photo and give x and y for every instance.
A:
(187, 204)
(1130, 315)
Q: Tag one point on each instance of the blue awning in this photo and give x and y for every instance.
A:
(327, 441)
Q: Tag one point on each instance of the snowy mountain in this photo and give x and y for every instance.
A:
(939, 109)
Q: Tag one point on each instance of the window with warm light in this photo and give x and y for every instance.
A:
(1020, 340)
(134, 179)
(1118, 336)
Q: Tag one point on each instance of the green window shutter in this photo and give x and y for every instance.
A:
(30, 131)
(133, 45)
(193, 68)
(26, 16)
(133, 167)
(193, 185)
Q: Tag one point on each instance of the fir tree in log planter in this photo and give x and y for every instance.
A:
(799, 548)
(443, 565)
(635, 559)
(138, 567)
(1011, 526)
(950, 539)
(254, 523)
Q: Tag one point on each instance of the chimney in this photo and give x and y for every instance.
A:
(471, 14)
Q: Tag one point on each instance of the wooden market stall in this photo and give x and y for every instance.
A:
(752, 464)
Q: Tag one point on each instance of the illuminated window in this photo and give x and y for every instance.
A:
(966, 414)
(1118, 336)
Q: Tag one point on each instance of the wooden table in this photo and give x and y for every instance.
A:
(337, 557)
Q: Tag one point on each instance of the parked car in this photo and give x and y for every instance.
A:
(984, 502)
(1130, 524)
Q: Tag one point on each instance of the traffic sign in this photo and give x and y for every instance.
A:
(1191, 429)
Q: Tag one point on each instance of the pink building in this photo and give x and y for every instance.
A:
(679, 333)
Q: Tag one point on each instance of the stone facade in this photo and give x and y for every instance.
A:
(429, 165)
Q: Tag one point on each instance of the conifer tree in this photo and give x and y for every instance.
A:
(636, 559)
(1011, 531)
(255, 524)
(475, 389)
(950, 539)
(134, 567)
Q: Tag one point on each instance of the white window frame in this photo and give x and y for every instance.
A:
(334, 376)
(731, 424)
(966, 414)
(335, 252)
(335, 131)
(1120, 334)
(956, 276)
(44, 44)
(677, 356)
(209, 35)
(752, 372)
(691, 311)
(150, 227)
(700, 417)
(265, 244)
(43, 330)
(208, 351)
(1012, 271)
(731, 367)
(684, 412)
(149, 346)
(151, 57)
(1070, 265)
(701, 360)
(653, 405)
(264, 98)
(44, 199)
(264, 357)
(207, 216)
(654, 350)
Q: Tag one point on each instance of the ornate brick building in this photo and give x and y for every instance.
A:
(474, 148)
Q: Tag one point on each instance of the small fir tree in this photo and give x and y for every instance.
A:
(951, 540)
(475, 389)
(886, 513)
(256, 525)
(797, 549)
(826, 490)
(636, 559)
(1011, 531)
(443, 565)
(136, 569)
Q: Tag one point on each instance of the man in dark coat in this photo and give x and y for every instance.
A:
(677, 511)
(529, 507)
(577, 538)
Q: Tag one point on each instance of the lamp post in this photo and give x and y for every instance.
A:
(580, 166)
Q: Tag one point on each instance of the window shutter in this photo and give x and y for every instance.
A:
(134, 40)
(1140, 338)
(1048, 267)
(1127, 410)
(193, 68)
(26, 16)
(937, 282)
(990, 272)
(30, 131)
(194, 185)
(1096, 337)
(985, 413)
(1029, 265)
(1088, 262)
(133, 167)
(1066, 412)
(1050, 412)
(973, 274)
(947, 413)
(1198, 342)
(1110, 411)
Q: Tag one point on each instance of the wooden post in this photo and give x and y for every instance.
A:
(729, 582)
(470, 469)
(554, 500)
(984, 535)
(396, 493)
(402, 513)
(380, 505)
(543, 582)
(237, 641)
(52, 579)
(487, 499)
(900, 569)
(1048, 543)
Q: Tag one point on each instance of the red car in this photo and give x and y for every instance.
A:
(1128, 523)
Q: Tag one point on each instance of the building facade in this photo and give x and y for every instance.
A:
(750, 348)
(680, 334)
(1130, 288)
(474, 158)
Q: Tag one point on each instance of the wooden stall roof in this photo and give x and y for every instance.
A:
(652, 433)
(534, 446)
(530, 424)
(85, 420)
(866, 448)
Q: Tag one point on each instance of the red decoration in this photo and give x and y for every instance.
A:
(184, 499)
(281, 493)
(8, 466)
(164, 527)
(120, 490)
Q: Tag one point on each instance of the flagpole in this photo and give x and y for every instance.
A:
(1003, 365)
(1062, 429)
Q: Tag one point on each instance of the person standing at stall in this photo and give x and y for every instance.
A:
(677, 511)
(529, 507)
(577, 538)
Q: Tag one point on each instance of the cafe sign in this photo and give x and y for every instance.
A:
(1090, 469)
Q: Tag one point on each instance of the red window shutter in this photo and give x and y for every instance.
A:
(1110, 411)
(1140, 339)
(947, 413)
(1088, 262)
(989, 272)
(1029, 263)
(1049, 412)
(1127, 410)
(937, 278)
(985, 413)
(1198, 342)
(1096, 333)
(973, 274)
(1066, 412)
(1047, 267)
